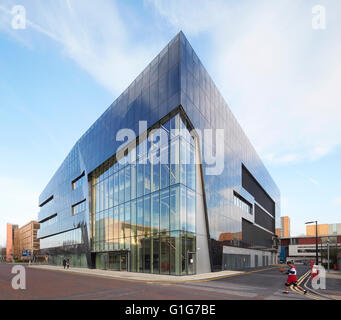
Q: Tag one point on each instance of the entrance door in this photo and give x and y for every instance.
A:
(124, 261)
(118, 261)
(191, 262)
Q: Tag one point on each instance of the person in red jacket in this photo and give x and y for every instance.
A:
(292, 278)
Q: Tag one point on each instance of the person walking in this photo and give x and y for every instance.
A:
(68, 263)
(292, 278)
(64, 263)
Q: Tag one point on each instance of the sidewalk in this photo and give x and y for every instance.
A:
(143, 277)
(332, 274)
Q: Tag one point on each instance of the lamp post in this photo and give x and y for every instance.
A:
(317, 253)
(328, 254)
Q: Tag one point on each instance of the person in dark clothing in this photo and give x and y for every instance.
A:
(64, 263)
(68, 263)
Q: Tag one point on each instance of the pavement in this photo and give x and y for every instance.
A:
(134, 276)
(332, 290)
(44, 282)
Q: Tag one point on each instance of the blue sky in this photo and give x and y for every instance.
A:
(280, 77)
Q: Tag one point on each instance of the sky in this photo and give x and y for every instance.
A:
(279, 74)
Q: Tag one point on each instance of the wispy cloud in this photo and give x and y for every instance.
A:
(337, 201)
(280, 76)
(307, 178)
(95, 36)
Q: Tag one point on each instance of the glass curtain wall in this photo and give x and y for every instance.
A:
(144, 209)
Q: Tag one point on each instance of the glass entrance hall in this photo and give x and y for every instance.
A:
(143, 205)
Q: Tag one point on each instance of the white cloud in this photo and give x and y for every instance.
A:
(337, 201)
(94, 35)
(280, 76)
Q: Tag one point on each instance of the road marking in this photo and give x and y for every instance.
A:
(317, 293)
(301, 279)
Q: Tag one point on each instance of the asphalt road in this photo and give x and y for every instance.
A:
(261, 284)
(47, 284)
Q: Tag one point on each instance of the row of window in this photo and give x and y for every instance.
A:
(79, 208)
(156, 140)
(159, 254)
(134, 181)
(167, 210)
(77, 183)
(49, 222)
(67, 238)
(242, 204)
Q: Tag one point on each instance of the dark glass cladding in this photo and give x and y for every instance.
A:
(252, 186)
(256, 237)
(174, 80)
(263, 219)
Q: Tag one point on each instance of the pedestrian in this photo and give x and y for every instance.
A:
(64, 263)
(292, 278)
(68, 263)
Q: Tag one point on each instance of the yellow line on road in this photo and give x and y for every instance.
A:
(301, 279)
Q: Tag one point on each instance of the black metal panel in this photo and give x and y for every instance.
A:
(263, 219)
(250, 184)
(254, 236)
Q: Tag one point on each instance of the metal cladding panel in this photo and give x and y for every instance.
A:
(154, 93)
(207, 109)
(175, 77)
(263, 219)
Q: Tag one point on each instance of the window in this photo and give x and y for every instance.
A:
(79, 207)
(68, 238)
(127, 183)
(164, 159)
(190, 211)
(155, 170)
(46, 201)
(78, 182)
(155, 222)
(121, 186)
(164, 214)
(148, 206)
(51, 220)
(240, 202)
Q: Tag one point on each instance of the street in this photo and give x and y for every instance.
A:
(260, 284)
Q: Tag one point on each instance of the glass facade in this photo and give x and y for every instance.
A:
(142, 215)
(143, 209)
(68, 238)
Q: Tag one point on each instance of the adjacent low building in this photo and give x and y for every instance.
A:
(23, 242)
(323, 229)
(304, 249)
(26, 242)
(186, 194)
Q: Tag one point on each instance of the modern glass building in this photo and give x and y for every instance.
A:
(164, 182)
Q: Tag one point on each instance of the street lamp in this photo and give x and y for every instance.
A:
(328, 254)
(317, 254)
